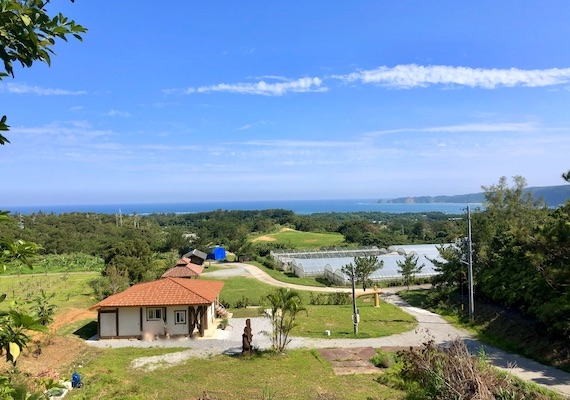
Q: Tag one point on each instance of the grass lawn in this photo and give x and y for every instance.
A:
(380, 321)
(302, 374)
(301, 240)
(289, 277)
(374, 322)
(248, 290)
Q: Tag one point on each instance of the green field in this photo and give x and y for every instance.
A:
(71, 289)
(300, 240)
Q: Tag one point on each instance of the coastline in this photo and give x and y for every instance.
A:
(301, 207)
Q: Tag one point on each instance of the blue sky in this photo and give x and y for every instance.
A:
(210, 101)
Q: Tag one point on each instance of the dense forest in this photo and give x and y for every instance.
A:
(521, 247)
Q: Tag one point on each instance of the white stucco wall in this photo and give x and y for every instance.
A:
(173, 327)
(129, 321)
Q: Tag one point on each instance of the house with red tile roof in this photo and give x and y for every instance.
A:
(184, 269)
(165, 307)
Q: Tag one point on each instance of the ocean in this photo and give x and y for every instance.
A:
(297, 206)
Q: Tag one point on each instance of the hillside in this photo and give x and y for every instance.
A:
(552, 195)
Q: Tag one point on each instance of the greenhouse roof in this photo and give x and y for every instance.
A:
(425, 253)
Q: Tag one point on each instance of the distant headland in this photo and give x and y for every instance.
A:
(552, 195)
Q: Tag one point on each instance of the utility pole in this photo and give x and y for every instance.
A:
(470, 266)
(355, 316)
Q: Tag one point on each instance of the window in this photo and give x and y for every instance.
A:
(180, 317)
(153, 314)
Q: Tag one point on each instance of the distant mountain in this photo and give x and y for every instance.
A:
(552, 195)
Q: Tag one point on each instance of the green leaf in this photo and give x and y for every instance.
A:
(26, 19)
(13, 351)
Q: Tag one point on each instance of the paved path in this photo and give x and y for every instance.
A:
(430, 325)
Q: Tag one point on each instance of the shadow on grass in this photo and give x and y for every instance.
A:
(415, 298)
(323, 281)
(86, 331)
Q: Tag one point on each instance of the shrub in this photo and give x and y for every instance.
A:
(382, 360)
(331, 299)
(243, 302)
(454, 373)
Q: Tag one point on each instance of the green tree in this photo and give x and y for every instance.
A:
(134, 257)
(409, 268)
(113, 282)
(27, 34)
(364, 267)
(451, 272)
(503, 235)
(284, 306)
(42, 308)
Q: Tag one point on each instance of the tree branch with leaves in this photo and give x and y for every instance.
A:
(28, 34)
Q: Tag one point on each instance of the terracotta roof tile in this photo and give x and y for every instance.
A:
(165, 292)
(184, 271)
(183, 261)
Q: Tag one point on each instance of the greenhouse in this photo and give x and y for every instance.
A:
(329, 263)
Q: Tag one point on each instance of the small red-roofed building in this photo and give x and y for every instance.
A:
(165, 307)
(184, 269)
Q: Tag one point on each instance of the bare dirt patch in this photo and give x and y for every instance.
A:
(50, 356)
(350, 361)
(71, 316)
(264, 239)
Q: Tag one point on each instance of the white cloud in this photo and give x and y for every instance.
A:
(251, 125)
(412, 75)
(264, 88)
(117, 113)
(18, 88)
(480, 127)
(298, 143)
(244, 127)
(69, 129)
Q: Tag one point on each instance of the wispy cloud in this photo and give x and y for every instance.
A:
(117, 113)
(401, 76)
(478, 127)
(18, 88)
(298, 143)
(264, 88)
(68, 129)
(251, 125)
(412, 75)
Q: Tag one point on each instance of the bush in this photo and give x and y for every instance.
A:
(330, 299)
(244, 302)
(382, 360)
(453, 373)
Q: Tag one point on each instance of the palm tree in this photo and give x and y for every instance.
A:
(284, 305)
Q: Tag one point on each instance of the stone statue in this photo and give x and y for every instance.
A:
(246, 338)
